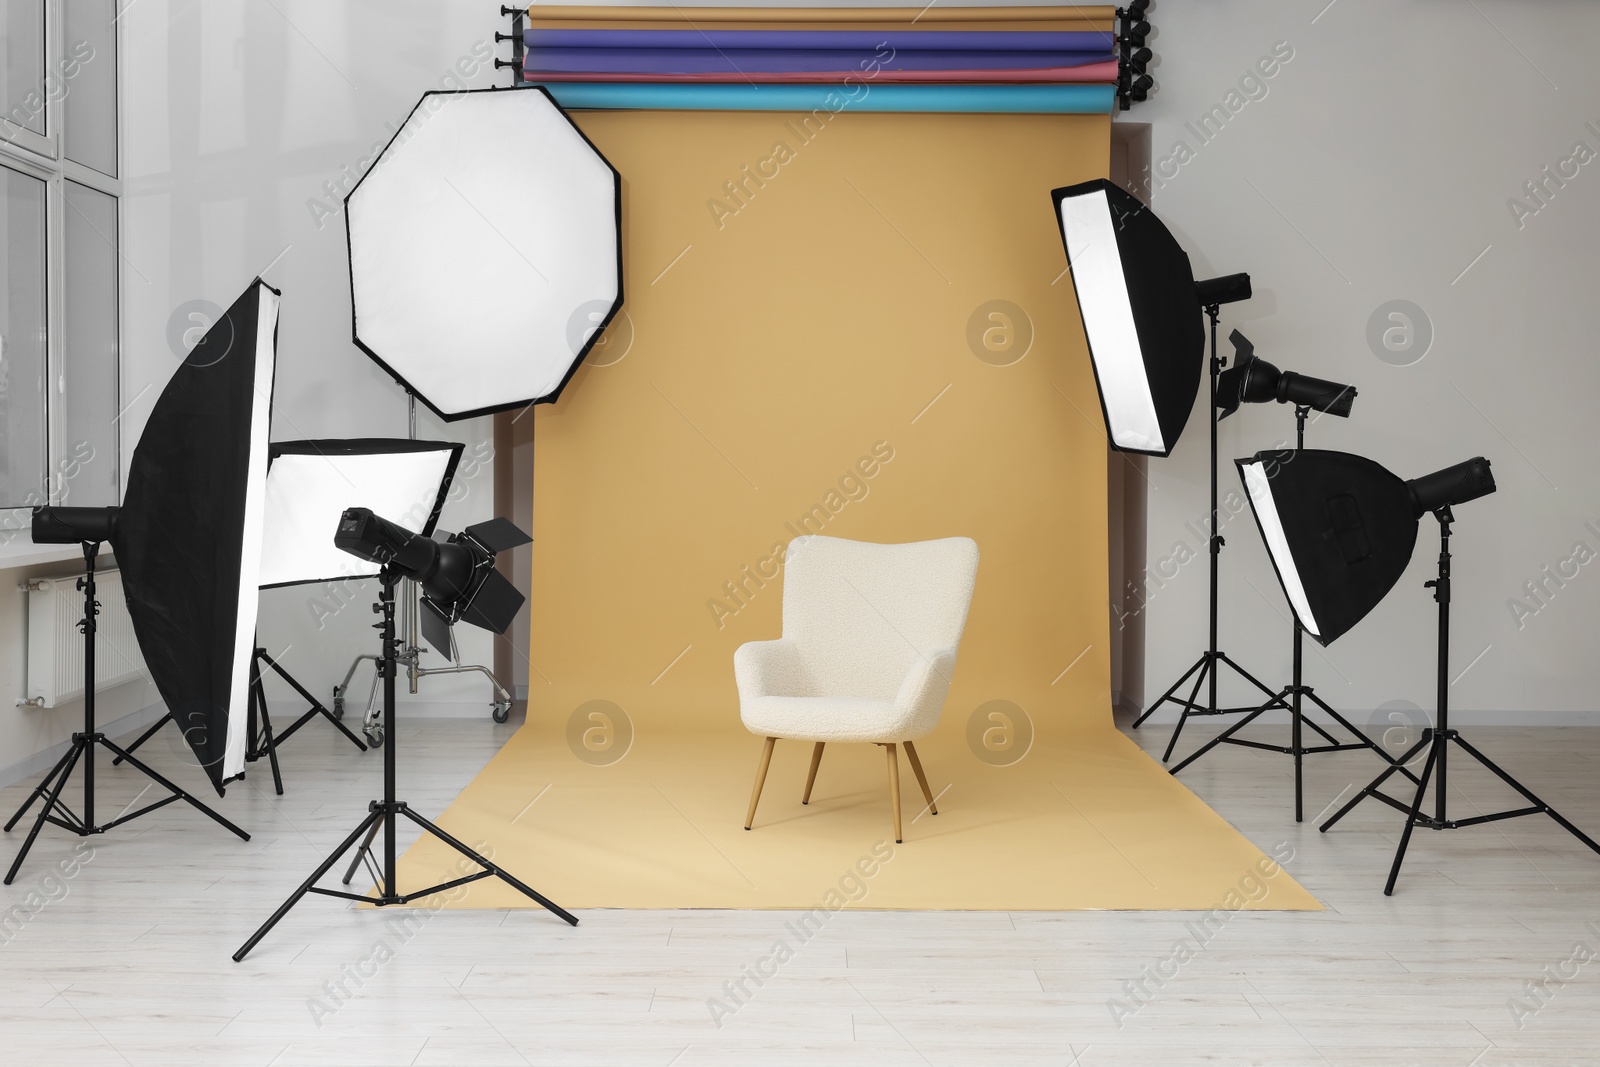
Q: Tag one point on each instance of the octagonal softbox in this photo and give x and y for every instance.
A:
(485, 251)
(188, 539)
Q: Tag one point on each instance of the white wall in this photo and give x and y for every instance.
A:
(1378, 166)
(245, 123)
(31, 739)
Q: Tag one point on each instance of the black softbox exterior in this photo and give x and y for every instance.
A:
(1350, 527)
(189, 537)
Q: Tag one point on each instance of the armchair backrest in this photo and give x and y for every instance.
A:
(861, 614)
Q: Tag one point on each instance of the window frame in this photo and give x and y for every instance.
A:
(43, 156)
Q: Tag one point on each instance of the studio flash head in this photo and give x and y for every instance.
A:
(1252, 380)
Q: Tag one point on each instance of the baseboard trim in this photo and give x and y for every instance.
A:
(1374, 718)
(425, 709)
(135, 721)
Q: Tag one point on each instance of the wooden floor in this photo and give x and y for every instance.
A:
(127, 962)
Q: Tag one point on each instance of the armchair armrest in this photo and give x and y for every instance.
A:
(921, 695)
(768, 669)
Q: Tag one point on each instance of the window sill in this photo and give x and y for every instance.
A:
(22, 553)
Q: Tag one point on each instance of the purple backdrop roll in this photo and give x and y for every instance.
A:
(706, 60)
(900, 40)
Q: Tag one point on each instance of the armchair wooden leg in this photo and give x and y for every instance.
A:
(922, 779)
(761, 780)
(811, 775)
(894, 789)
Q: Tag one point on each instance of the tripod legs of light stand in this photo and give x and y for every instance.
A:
(259, 730)
(262, 740)
(1291, 698)
(1207, 666)
(382, 816)
(82, 751)
(313, 709)
(1437, 740)
(1211, 659)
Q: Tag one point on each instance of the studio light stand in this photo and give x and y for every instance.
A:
(383, 814)
(1438, 739)
(1291, 698)
(410, 654)
(1207, 667)
(83, 746)
(262, 740)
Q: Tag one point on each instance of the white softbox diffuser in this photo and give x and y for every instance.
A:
(485, 251)
(1137, 298)
(311, 483)
(1258, 483)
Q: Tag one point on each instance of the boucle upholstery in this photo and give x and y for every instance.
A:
(869, 641)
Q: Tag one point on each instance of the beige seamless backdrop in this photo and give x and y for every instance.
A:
(811, 347)
(799, 292)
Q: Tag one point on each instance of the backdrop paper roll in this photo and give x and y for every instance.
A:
(1093, 74)
(858, 61)
(1096, 17)
(1013, 99)
(899, 40)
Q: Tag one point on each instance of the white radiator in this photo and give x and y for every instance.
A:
(55, 646)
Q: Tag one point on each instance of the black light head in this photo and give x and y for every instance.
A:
(457, 576)
(1453, 485)
(488, 601)
(1252, 380)
(1224, 290)
(497, 535)
(72, 526)
(374, 538)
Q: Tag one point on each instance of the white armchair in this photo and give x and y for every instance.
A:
(868, 648)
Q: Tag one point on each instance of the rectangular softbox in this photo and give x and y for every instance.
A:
(311, 483)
